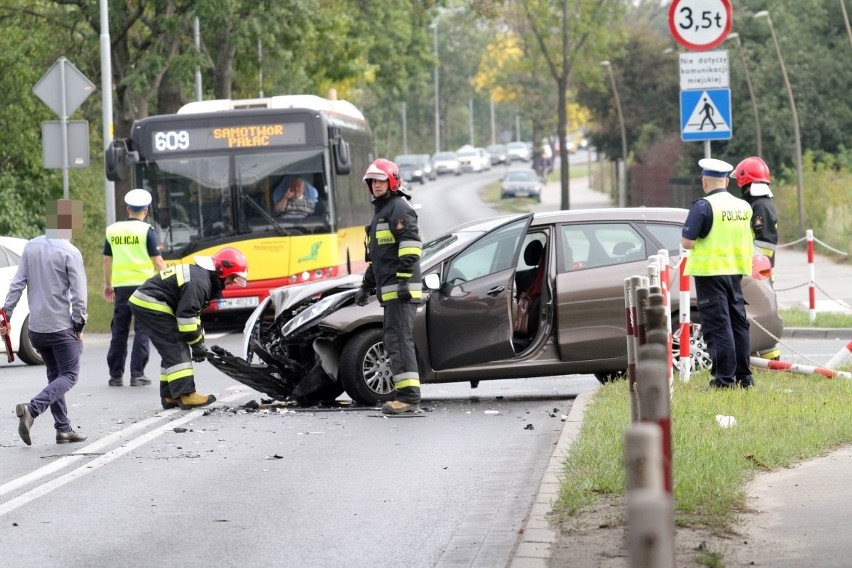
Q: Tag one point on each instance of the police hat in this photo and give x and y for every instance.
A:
(711, 167)
(138, 198)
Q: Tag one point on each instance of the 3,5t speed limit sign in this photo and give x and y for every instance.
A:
(700, 24)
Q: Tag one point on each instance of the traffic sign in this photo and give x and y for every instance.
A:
(78, 144)
(704, 70)
(63, 79)
(705, 115)
(700, 24)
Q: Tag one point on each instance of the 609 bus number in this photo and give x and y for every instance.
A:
(170, 141)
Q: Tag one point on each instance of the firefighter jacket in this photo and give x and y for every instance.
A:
(182, 291)
(764, 224)
(127, 243)
(727, 248)
(393, 249)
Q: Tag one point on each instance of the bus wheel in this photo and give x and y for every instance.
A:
(365, 371)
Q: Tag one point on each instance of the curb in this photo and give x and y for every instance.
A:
(817, 333)
(534, 547)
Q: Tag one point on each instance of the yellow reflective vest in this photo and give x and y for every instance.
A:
(131, 264)
(727, 249)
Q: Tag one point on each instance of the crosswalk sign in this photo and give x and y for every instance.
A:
(705, 115)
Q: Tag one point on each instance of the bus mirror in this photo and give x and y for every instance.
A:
(342, 159)
(115, 160)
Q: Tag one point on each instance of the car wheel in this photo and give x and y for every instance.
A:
(697, 346)
(27, 353)
(609, 376)
(365, 371)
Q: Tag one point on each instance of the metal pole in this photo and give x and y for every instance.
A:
(622, 177)
(796, 134)
(757, 134)
(64, 123)
(106, 89)
(517, 128)
(470, 121)
(260, 66)
(437, 89)
(197, 39)
(404, 129)
(493, 133)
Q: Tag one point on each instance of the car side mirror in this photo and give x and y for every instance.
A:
(432, 282)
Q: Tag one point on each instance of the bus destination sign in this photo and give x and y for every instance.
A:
(228, 137)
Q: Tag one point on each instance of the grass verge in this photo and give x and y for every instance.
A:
(785, 419)
(795, 317)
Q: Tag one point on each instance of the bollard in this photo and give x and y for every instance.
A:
(640, 302)
(685, 327)
(650, 528)
(812, 271)
(655, 401)
(840, 357)
(643, 460)
(630, 317)
(790, 367)
(667, 304)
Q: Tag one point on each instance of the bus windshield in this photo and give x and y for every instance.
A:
(199, 199)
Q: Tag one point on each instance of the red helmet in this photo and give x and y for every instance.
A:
(751, 170)
(229, 261)
(383, 169)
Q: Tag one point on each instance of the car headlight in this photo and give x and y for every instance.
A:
(309, 316)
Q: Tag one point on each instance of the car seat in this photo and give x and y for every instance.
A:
(529, 284)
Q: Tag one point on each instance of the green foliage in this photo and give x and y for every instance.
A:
(784, 419)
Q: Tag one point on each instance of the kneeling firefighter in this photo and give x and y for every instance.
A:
(168, 305)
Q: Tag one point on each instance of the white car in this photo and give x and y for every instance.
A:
(518, 151)
(446, 163)
(11, 249)
(469, 159)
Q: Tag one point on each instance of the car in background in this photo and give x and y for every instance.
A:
(518, 151)
(428, 166)
(569, 266)
(411, 168)
(446, 163)
(498, 154)
(484, 159)
(11, 250)
(469, 159)
(521, 182)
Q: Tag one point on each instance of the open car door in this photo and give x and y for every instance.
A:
(470, 318)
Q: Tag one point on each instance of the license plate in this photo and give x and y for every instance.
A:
(238, 303)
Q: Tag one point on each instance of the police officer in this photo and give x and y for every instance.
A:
(131, 256)
(718, 231)
(393, 246)
(753, 177)
(168, 305)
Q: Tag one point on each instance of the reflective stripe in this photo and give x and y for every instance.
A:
(128, 241)
(406, 383)
(186, 325)
(392, 292)
(412, 248)
(384, 237)
(765, 246)
(145, 301)
(175, 372)
(404, 275)
(727, 249)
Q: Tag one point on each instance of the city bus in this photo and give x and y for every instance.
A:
(217, 168)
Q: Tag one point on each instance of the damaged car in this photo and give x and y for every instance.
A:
(517, 296)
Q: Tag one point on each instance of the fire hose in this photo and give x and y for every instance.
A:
(4, 321)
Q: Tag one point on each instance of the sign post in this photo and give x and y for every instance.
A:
(64, 88)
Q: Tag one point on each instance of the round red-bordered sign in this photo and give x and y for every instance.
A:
(700, 24)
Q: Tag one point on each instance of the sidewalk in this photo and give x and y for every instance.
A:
(802, 514)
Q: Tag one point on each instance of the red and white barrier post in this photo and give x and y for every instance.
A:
(685, 326)
(840, 357)
(796, 368)
(812, 273)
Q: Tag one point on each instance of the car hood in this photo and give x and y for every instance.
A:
(288, 296)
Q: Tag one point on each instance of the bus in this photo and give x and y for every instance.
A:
(216, 169)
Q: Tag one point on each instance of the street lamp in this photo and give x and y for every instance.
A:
(434, 27)
(758, 137)
(796, 135)
(622, 190)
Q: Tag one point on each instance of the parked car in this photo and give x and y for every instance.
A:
(498, 154)
(447, 163)
(11, 249)
(484, 159)
(518, 151)
(411, 168)
(570, 264)
(428, 166)
(469, 159)
(521, 182)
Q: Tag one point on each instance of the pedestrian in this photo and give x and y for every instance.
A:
(393, 273)
(131, 256)
(718, 231)
(753, 178)
(52, 271)
(168, 305)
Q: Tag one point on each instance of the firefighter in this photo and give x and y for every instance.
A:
(718, 231)
(131, 256)
(393, 251)
(169, 306)
(753, 177)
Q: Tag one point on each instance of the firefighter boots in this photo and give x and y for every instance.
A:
(400, 407)
(195, 400)
(168, 402)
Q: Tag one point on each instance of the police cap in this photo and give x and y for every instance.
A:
(711, 167)
(138, 198)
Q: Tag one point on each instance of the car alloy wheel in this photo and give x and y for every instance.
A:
(365, 371)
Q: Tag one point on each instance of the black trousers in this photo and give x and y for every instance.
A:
(177, 376)
(399, 342)
(120, 328)
(721, 308)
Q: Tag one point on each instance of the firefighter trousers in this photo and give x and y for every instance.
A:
(399, 343)
(176, 374)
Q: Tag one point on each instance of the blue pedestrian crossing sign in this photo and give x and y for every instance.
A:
(705, 115)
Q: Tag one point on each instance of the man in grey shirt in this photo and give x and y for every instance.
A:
(52, 271)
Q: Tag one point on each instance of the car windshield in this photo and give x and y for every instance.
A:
(516, 146)
(436, 245)
(496, 148)
(407, 161)
(445, 156)
(521, 175)
(466, 153)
